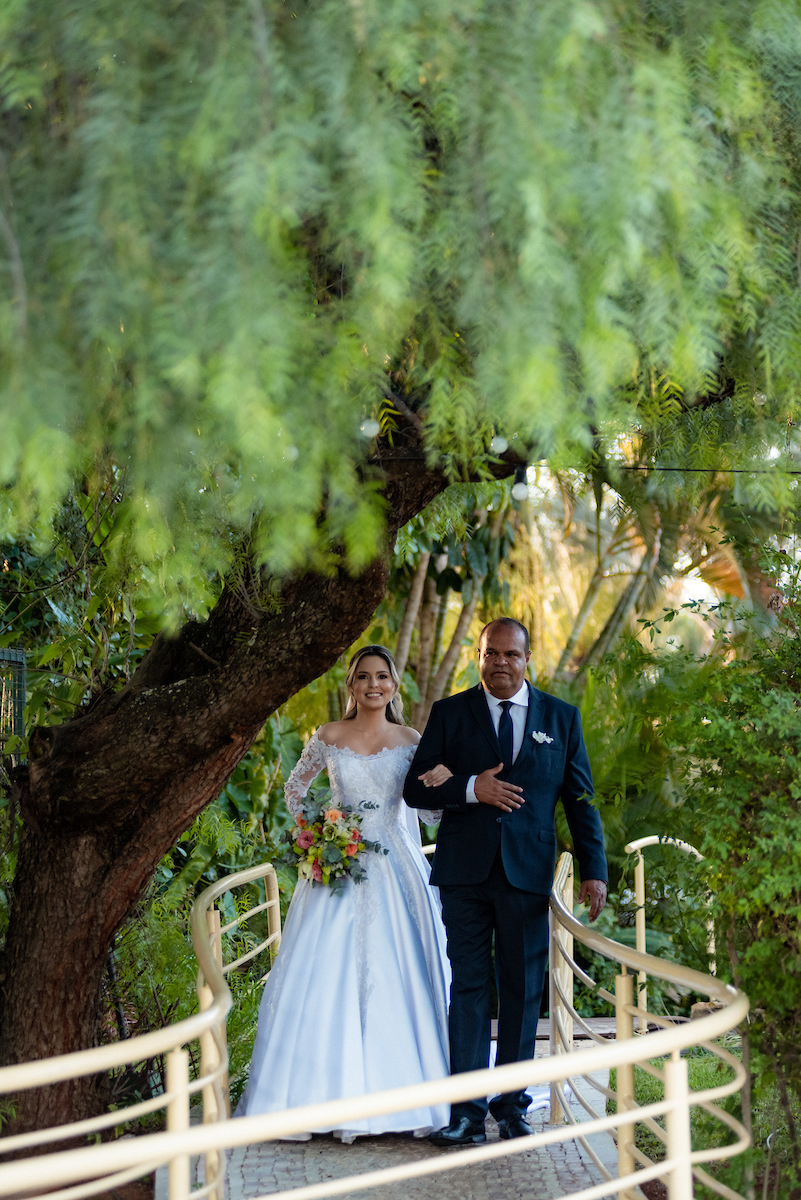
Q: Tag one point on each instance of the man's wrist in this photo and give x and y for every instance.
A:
(470, 791)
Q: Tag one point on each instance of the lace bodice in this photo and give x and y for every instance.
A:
(357, 779)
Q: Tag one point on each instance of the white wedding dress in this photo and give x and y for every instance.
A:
(357, 999)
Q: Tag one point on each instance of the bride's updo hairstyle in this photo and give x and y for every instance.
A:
(395, 706)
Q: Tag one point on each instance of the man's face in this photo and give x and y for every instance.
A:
(502, 660)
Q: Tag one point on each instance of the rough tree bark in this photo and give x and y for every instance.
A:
(104, 796)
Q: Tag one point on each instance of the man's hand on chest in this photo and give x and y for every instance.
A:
(489, 789)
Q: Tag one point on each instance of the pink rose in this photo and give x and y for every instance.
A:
(354, 837)
(305, 839)
(351, 849)
(317, 872)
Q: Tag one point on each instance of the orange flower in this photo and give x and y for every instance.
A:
(351, 849)
(300, 821)
(332, 814)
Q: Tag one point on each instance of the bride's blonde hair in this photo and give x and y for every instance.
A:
(395, 706)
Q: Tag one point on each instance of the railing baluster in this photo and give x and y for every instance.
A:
(567, 945)
(677, 1122)
(274, 913)
(556, 1116)
(215, 1107)
(178, 1120)
(625, 1077)
(559, 969)
(639, 925)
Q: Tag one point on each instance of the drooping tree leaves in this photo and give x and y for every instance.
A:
(229, 230)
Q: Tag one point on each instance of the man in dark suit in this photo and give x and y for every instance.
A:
(497, 758)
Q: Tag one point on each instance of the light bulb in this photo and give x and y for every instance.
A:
(520, 491)
(498, 445)
(370, 428)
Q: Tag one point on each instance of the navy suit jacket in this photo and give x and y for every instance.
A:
(461, 735)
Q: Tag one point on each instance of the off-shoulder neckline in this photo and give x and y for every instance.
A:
(355, 753)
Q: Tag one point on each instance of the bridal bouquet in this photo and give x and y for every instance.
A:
(326, 844)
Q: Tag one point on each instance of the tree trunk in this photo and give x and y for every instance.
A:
(105, 796)
(410, 613)
(626, 604)
(436, 687)
(587, 605)
(428, 620)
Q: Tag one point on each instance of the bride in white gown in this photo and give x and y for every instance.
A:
(357, 1000)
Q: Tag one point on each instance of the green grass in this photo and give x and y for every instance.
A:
(706, 1071)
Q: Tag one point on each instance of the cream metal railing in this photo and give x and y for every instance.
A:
(637, 848)
(97, 1168)
(207, 1027)
(673, 1074)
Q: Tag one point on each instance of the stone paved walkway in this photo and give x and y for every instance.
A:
(545, 1174)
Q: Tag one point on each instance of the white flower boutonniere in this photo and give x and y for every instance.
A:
(540, 737)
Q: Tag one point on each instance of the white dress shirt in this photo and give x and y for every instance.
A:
(518, 712)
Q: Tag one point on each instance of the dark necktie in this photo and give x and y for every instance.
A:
(506, 734)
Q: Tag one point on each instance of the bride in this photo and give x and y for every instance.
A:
(357, 1000)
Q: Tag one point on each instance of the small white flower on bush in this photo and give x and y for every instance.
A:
(705, 721)
(541, 737)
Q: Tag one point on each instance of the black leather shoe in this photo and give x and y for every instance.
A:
(461, 1132)
(510, 1127)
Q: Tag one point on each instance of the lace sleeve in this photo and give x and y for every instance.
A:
(304, 773)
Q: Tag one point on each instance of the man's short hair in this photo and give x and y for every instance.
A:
(506, 621)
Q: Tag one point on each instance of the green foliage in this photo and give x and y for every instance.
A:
(7, 1112)
(726, 726)
(732, 727)
(75, 607)
(228, 228)
(157, 972)
(243, 825)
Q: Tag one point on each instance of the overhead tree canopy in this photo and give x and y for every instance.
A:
(231, 229)
(273, 274)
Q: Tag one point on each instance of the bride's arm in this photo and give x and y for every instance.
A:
(304, 773)
(433, 778)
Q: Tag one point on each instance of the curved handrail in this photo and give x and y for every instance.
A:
(207, 1027)
(121, 1159)
(665, 968)
(659, 839)
(637, 847)
(70, 1165)
(21, 1077)
(24, 1076)
(733, 1009)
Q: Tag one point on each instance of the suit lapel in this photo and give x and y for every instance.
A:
(533, 719)
(481, 712)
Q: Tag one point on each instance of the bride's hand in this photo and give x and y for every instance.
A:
(436, 776)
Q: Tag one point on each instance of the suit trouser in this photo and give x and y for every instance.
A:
(519, 920)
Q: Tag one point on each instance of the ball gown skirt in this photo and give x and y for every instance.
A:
(357, 999)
